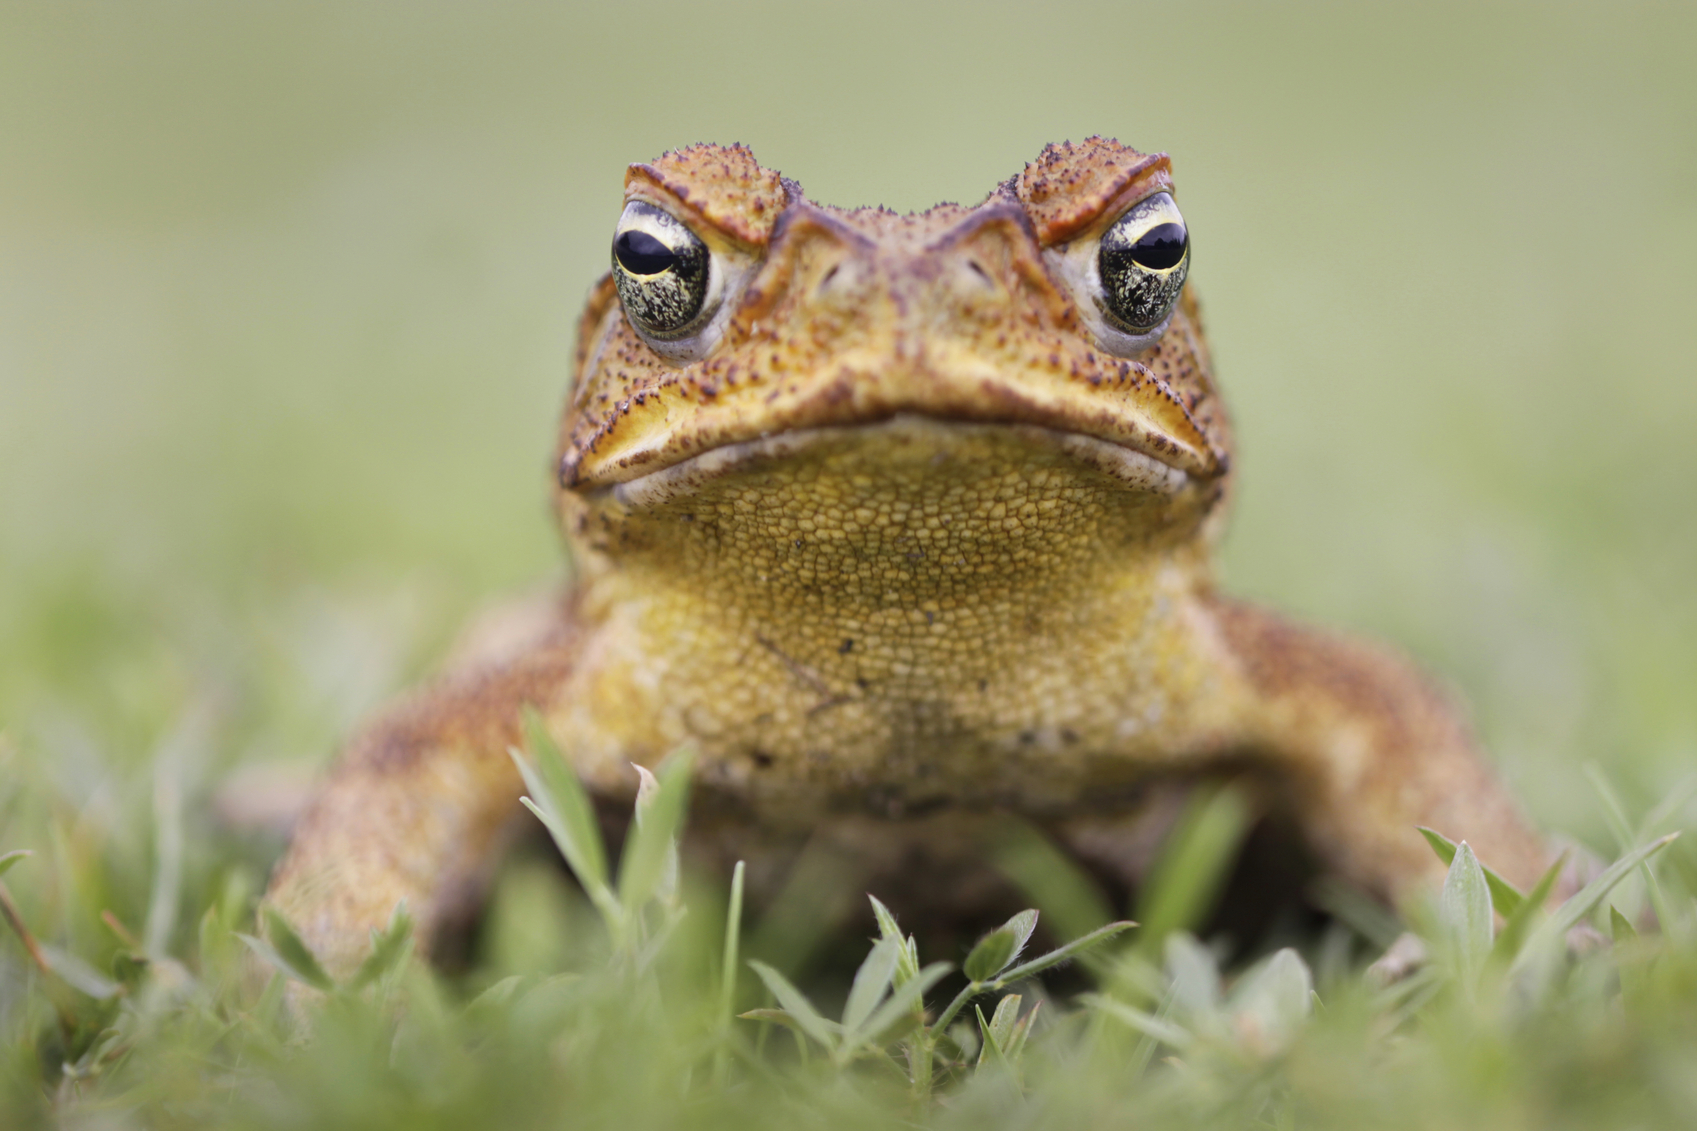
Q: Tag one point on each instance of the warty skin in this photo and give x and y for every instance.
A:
(908, 548)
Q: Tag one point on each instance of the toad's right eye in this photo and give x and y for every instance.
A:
(662, 270)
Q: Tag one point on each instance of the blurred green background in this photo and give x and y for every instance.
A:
(287, 295)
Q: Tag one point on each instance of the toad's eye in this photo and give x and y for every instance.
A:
(662, 270)
(1142, 262)
(641, 254)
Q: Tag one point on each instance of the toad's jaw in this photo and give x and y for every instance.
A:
(1123, 409)
(1139, 471)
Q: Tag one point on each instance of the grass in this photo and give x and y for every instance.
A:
(173, 1014)
(285, 314)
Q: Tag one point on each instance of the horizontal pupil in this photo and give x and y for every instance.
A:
(1160, 248)
(642, 254)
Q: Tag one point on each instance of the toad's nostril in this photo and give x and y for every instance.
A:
(825, 279)
(978, 268)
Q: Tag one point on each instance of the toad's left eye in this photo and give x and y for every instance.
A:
(663, 271)
(1142, 261)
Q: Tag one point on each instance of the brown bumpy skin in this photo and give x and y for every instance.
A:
(903, 548)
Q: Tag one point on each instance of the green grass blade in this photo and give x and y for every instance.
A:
(902, 1003)
(1505, 897)
(1193, 865)
(887, 926)
(270, 956)
(907, 961)
(1068, 896)
(1277, 996)
(870, 983)
(1672, 922)
(988, 1047)
(807, 1019)
(1517, 926)
(1022, 926)
(1074, 949)
(785, 1018)
(560, 802)
(1063, 954)
(1569, 914)
(11, 858)
(1677, 798)
(1464, 909)
(733, 942)
(78, 974)
(1613, 811)
(557, 791)
(1626, 837)
(1003, 1021)
(1148, 1024)
(1022, 1029)
(652, 842)
(389, 948)
(990, 955)
(1621, 928)
(296, 957)
(1193, 972)
(1357, 910)
(167, 864)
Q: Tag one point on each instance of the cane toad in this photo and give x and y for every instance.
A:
(904, 524)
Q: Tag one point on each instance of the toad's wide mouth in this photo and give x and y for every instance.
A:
(1124, 414)
(904, 432)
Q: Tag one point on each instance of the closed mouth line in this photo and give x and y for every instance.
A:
(1137, 469)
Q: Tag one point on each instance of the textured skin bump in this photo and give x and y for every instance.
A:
(721, 184)
(1070, 186)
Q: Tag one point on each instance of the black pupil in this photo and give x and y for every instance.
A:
(642, 254)
(1160, 248)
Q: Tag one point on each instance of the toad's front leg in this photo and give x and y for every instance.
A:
(1368, 750)
(417, 806)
